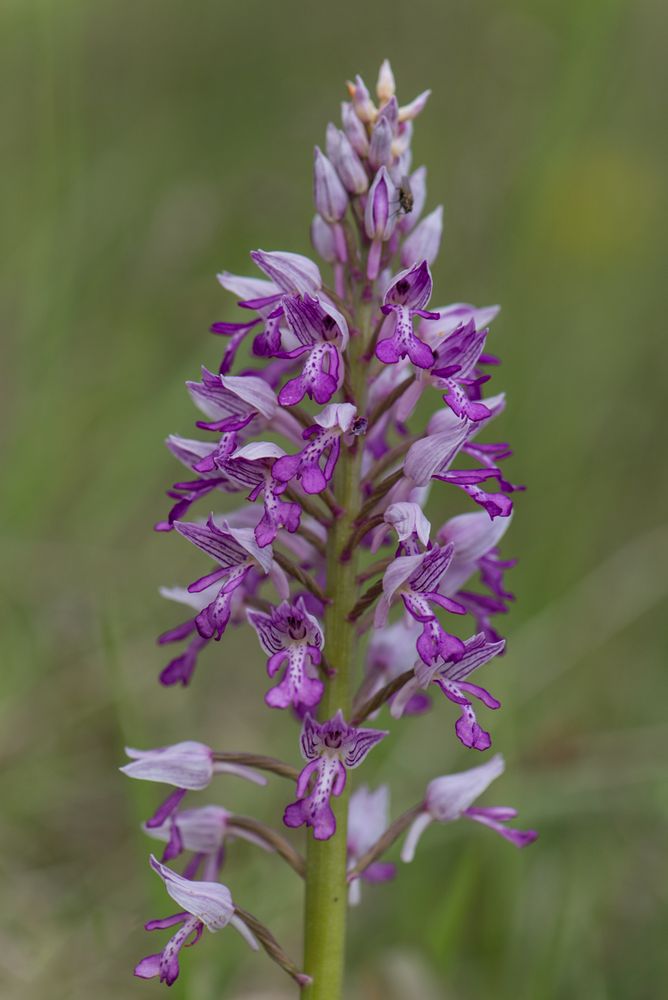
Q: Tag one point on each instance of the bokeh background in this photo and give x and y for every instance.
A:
(146, 146)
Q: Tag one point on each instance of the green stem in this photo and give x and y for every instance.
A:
(326, 887)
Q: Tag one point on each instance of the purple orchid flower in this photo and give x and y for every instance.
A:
(410, 524)
(406, 297)
(451, 797)
(322, 333)
(324, 439)
(448, 434)
(202, 831)
(204, 904)
(415, 579)
(238, 552)
(367, 821)
(475, 538)
(331, 748)
(450, 675)
(251, 467)
(291, 637)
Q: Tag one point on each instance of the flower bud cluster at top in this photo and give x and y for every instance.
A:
(337, 370)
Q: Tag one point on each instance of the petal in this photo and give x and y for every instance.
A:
(449, 796)
(210, 902)
(415, 831)
(185, 765)
(358, 744)
(292, 272)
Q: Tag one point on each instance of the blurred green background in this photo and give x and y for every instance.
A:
(147, 145)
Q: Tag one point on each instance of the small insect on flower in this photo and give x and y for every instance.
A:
(405, 196)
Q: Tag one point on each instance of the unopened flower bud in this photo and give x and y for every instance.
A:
(329, 193)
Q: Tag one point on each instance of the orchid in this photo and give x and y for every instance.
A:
(452, 797)
(333, 554)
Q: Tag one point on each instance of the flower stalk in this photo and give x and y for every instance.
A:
(326, 896)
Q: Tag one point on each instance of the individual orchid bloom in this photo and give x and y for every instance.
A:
(322, 333)
(264, 299)
(425, 240)
(452, 797)
(180, 670)
(290, 273)
(407, 297)
(291, 638)
(410, 524)
(450, 676)
(415, 579)
(451, 348)
(324, 441)
(330, 748)
(229, 401)
(367, 821)
(203, 904)
(454, 316)
(203, 831)
(447, 435)
(251, 467)
(238, 552)
(454, 368)
(379, 218)
(188, 766)
(475, 538)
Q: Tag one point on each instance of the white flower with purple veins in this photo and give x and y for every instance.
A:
(322, 333)
(290, 274)
(452, 797)
(447, 435)
(203, 904)
(416, 579)
(411, 526)
(238, 552)
(456, 339)
(251, 467)
(367, 821)
(330, 748)
(324, 441)
(292, 638)
(189, 766)
(475, 539)
(450, 675)
(406, 298)
(203, 831)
